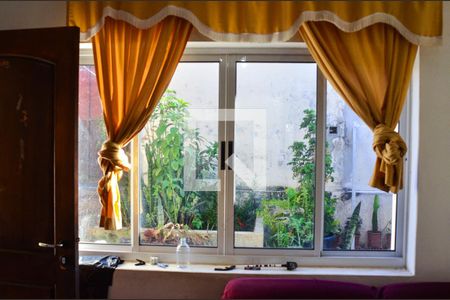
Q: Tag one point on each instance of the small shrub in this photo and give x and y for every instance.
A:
(289, 221)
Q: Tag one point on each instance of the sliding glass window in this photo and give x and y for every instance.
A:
(246, 154)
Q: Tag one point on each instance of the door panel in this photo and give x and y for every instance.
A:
(27, 109)
(26, 291)
(38, 125)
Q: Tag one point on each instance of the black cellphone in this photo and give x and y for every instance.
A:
(228, 268)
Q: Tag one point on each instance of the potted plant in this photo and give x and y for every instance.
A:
(331, 225)
(387, 236)
(358, 234)
(374, 235)
(350, 228)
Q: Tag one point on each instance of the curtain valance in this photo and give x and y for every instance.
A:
(420, 22)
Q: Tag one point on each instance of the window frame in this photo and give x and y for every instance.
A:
(136, 182)
(272, 57)
(226, 54)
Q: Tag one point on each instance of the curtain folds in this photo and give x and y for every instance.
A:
(134, 68)
(264, 21)
(366, 49)
(371, 69)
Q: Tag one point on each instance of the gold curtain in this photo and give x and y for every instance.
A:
(134, 68)
(371, 69)
(264, 21)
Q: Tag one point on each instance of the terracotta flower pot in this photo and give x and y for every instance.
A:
(357, 243)
(387, 241)
(374, 239)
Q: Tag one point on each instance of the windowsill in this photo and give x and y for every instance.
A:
(345, 265)
(300, 271)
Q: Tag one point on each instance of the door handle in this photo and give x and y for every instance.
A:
(230, 151)
(45, 245)
(222, 156)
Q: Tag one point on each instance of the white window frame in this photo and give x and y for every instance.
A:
(225, 253)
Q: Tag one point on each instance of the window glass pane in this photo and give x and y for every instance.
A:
(178, 160)
(91, 135)
(349, 165)
(275, 134)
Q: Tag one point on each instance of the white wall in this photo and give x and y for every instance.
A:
(433, 227)
(32, 14)
(433, 231)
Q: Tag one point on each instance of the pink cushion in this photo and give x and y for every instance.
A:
(416, 290)
(287, 288)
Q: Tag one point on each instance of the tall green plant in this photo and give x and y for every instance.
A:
(376, 206)
(303, 168)
(167, 140)
(125, 199)
(351, 226)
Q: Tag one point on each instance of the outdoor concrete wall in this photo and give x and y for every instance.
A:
(262, 90)
(433, 238)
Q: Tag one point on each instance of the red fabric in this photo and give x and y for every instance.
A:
(416, 290)
(284, 288)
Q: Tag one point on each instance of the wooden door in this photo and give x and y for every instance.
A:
(38, 163)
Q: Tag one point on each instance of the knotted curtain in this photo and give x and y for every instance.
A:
(371, 69)
(134, 68)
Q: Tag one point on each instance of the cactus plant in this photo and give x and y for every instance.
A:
(376, 206)
(374, 236)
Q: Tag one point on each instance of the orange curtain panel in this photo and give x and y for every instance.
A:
(134, 68)
(264, 21)
(371, 69)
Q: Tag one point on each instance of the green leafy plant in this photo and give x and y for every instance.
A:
(376, 206)
(245, 214)
(166, 143)
(351, 227)
(290, 219)
(125, 199)
(303, 167)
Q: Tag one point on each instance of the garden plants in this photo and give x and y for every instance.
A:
(289, 221)
(166, 142)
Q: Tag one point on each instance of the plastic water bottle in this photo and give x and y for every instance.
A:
(183, 254)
